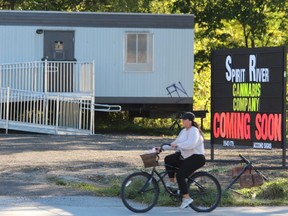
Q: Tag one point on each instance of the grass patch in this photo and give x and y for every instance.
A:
(112, 189)
(273, 193)
(58, 181)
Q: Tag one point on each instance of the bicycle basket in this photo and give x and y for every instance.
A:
(149, 160)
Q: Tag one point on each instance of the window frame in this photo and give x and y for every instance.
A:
(138, 66)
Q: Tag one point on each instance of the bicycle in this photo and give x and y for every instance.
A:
(140, 190)
(248, 166)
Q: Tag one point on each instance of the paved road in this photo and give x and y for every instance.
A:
(94, 206)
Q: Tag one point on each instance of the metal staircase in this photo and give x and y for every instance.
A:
(49, 97)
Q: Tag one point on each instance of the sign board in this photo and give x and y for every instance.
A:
(248, 97)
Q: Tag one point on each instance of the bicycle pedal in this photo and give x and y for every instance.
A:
(176, 193)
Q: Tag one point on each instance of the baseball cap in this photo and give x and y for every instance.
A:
(188, 115)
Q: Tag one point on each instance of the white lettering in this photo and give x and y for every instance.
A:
(257, 74)
(267, 145)
(234, 75)
(260, 145)
(228, 68)
(228, 143)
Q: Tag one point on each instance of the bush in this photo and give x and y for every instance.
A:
(121, 123)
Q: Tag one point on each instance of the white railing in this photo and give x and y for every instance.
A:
(49, 76)
(48, 113)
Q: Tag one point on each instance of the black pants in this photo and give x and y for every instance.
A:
(186, 168)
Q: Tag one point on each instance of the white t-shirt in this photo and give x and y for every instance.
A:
(189, 142)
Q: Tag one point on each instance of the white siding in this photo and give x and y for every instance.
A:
(173, 57)
(173, 62)
(18, 44)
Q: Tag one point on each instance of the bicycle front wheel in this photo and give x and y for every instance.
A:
(139, 192)
(205, 191)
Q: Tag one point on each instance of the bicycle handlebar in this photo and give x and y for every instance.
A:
(161, 147)
(249, 163)
(244, 159)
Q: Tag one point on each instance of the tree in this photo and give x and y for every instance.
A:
(231, 24)
(9, 4)
(259, 20)
(139, 6)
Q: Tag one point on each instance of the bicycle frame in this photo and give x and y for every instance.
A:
(161, 176)
(249, 166)
(153, 179)
(172, 193)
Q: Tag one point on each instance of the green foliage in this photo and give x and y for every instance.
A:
(153, 123)
(231, 24)
(274, 190)
(119, 122)
(270, 193)
(140, 6)
(57, 181)
(112, 189)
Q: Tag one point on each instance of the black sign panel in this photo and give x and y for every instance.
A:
(248, 95)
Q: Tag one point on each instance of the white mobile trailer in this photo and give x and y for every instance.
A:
(143, 62)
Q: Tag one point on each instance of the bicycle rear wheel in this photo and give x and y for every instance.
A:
(139, 192)
(205, 191)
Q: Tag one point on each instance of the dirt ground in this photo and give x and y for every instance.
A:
(28, 161)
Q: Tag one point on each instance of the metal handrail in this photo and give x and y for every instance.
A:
(43, 110)
(49, 76)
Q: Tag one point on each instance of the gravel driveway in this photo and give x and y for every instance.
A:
(27, 161)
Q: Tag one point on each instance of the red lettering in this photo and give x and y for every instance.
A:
(278, 127)
(231, 125)
(222, 125)
(240, 128)
(264, 128)
(216, 131)
(247, 133)
(268, 127)
(258, 126)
